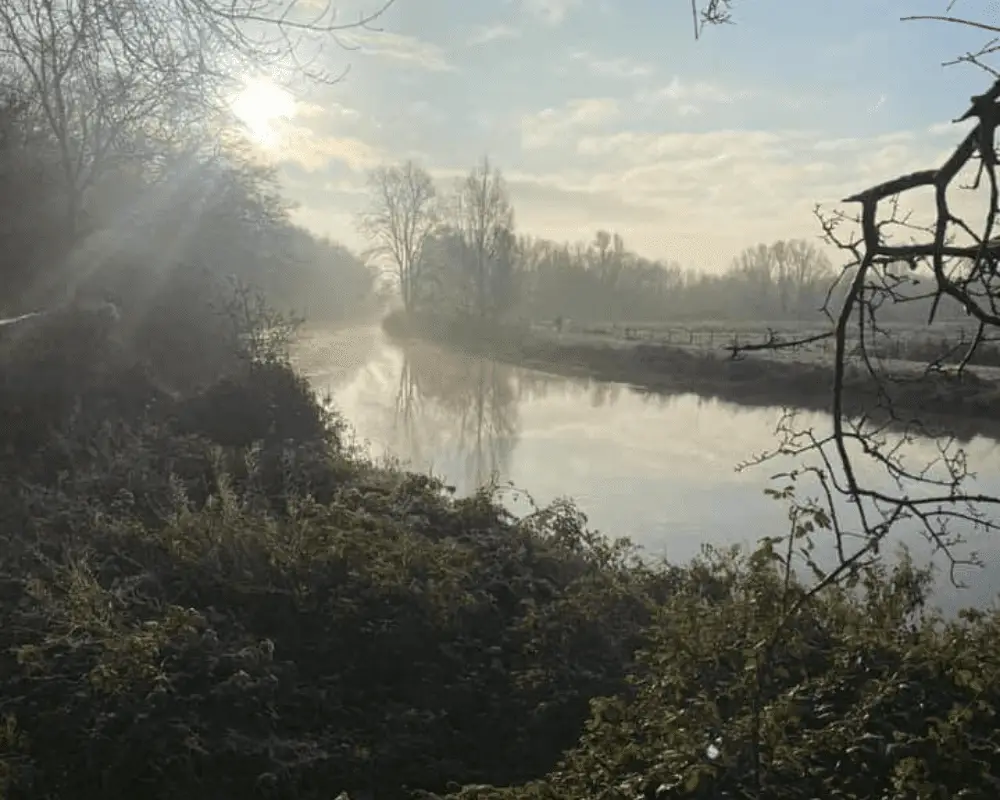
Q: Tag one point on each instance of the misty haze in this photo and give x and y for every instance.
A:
(499, 400)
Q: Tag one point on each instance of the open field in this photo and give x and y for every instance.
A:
(918, 344)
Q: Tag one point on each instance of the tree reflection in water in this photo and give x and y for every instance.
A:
(464, 410)
(461, 406)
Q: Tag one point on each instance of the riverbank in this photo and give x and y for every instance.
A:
(212, 594)
(966, 406)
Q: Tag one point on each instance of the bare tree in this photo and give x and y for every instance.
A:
(878, 409)
(402, 216)
(108, 78)
(789, 276)
(711, 12)
(720, 12)
(485, 219)
(610, 257)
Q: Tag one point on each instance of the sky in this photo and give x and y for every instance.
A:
(609, 114)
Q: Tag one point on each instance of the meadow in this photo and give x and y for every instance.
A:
(901, 342)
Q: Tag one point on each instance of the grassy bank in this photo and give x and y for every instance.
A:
(968, 405)
(210, 593)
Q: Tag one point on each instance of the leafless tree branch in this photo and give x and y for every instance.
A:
(871, 433)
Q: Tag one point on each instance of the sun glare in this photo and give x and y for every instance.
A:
(259, 106)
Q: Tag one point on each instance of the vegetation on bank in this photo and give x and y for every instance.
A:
(211, 592)
(966, 402)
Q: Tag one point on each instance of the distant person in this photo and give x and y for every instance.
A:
(559, 324)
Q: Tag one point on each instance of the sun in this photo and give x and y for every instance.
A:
(258, 106)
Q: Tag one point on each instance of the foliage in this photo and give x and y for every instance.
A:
(217, 596)
(861, 695)
(604, 281)
(150, 225)
(112, 83)
(483, 220)
(204, 591)
(459, 254)
(448, 254)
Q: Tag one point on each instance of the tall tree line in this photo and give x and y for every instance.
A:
(459, 252)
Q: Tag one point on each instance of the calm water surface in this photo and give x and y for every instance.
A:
(658, 469)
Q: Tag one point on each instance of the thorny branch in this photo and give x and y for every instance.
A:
(870, 433)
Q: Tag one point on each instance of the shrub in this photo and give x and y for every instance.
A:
(391, 637)
(859, 696)
(268, 402)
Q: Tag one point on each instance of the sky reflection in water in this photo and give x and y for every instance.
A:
(658, 469)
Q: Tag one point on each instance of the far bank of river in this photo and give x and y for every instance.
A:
(659, 468)
(963, 407)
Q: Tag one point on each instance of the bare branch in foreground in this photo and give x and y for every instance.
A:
(875, 457)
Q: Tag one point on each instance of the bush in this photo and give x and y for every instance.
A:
(390, 637)
(66, 367)
(859, 696)
(268, 402)
(214, 596)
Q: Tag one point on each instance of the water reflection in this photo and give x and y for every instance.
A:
(657, 468)
(464, 410)
(459, 415)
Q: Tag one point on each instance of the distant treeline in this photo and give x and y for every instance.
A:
(460, 252)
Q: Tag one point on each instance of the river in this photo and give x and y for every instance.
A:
(658, 469)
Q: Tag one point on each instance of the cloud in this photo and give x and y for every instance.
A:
(688, 98)
(622, 67)
(701, 197)
(327, 112)
(955, 129)
(573, 203)
(553, 125)
(635, 147)
(313, 151)
(397, 47)
(552, 12)
(484, 34)
(651, 161)
(695, 197)
(856, 143)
